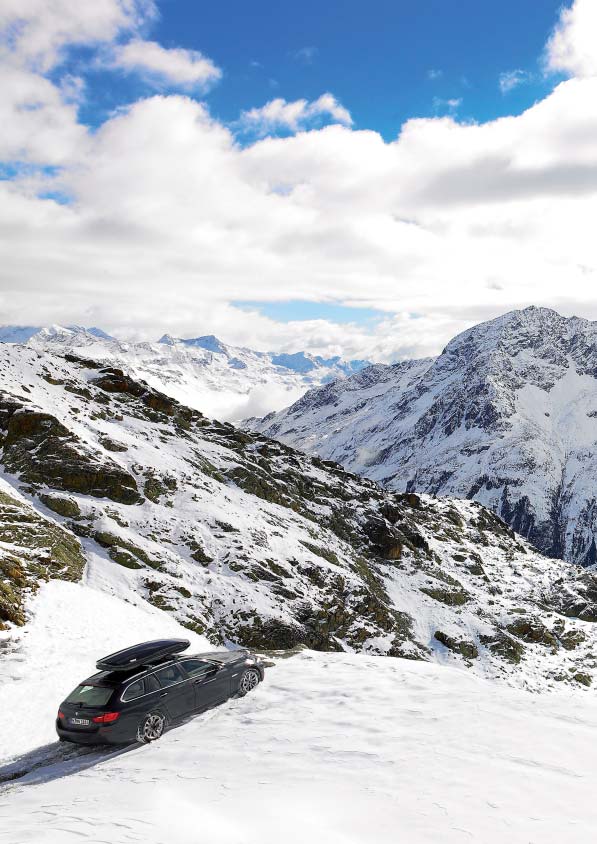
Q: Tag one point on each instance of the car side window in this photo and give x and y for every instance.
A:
(133, 691)
(197, 667)
(169, 676)
(152, 684)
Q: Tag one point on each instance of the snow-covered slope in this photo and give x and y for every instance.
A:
(331, 747)
(224, 381)
(125, 515)
(243, 540)
(506, 415)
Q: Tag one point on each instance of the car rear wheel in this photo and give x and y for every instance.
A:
(248, 681)
(151, 727)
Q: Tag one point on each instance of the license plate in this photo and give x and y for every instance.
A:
(81, 721)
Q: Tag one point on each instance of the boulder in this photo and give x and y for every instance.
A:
(460, 646)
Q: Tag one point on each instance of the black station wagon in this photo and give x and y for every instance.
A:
(140, 691)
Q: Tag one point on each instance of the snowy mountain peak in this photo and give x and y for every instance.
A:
(533, 327)
(167, 340)
(25, 333)
(507, 415)
(209, 342)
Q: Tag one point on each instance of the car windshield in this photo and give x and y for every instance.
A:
(90, 695)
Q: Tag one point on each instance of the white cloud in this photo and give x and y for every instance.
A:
(279, 114)
(39, 122)
(185, 68)
(38, 30)
(511, 79)
(171, 219)
(434, 73)
(572, 47)
(39, 117)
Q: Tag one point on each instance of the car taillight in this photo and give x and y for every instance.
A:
(61, 715)
(106, 718)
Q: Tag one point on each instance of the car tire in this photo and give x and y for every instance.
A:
(249, 681)
(151, 727)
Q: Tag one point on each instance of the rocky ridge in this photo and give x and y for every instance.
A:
(506, 416)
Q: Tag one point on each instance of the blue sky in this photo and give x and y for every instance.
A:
(386, 61)
(295, 309)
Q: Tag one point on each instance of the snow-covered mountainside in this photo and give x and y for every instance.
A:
(227, 382)
(244, 540)
(506, 415)
(341, 748)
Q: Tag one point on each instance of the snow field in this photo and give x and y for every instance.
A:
(337, 748)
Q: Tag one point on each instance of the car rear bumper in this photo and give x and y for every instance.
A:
(102, 736)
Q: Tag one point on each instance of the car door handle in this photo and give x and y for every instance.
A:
(163, 694)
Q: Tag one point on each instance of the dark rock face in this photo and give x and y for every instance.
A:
(43, 451)
(451, 596)
(460, 646)
(273, 634)
(112, 380)
(63, 506)
(577, 598)
(32, 550)
(386, 539)
(504, 646)
(533, 631)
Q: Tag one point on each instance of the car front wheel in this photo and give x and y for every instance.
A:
(248, 681)
(151, 727)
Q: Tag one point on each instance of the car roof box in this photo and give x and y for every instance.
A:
(145, 653)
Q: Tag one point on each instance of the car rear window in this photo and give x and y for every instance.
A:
(90, 695)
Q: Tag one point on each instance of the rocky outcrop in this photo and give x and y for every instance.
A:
(42, 451)
(576, 596)
(112, 380)
(32, 550)
(466, 649)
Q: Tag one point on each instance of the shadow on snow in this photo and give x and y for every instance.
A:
(56, 760)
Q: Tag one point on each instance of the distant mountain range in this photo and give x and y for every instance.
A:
(225, 381)
(506, 415)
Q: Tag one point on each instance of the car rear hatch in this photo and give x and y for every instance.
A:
(77, 712)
